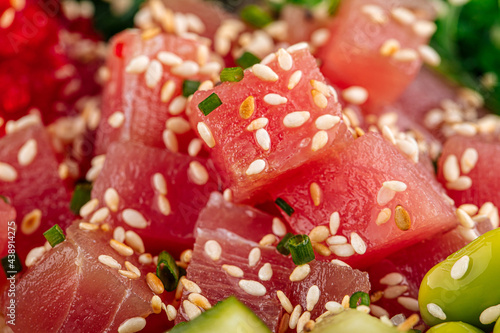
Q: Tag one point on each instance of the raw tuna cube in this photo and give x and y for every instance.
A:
(154, 192)
(143, 99)
(465, 170)
(269, 123)
(381, 53)
(346, 195)
(29, 178)
(73, 277)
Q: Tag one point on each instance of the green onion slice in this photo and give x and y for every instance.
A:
(301, 249)
(80, 197)
(285, 206)
(54, 235)
(5, 199)
(189, 87)
(11, 264)
(231, 74)
(282, 246)
(247, 59)
(209, 104)
(361, 297)
(255, 16)
(168, 271)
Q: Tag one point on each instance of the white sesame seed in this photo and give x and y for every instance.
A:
(190, 286)
(264, 73)
(213, 250)
(228, 195)
(294, 317)
(192, 311)
(375, 13)
(294, 79)
(319, 140)
(164, 205)
(93, 173)
(459, 268)
(334, 307)
(159, 183)
(336, 240)
(210, 68)
(390, 47)
(267, 240)
(469, 160)
(197, 173)
(385, 195)
(186, 69)
(116, 120)
(429, 55)
(319, 234)
(486, 208)
(297, 47)
(7, 18)
(342, 250)
(133, 269)
(392, 279)
(395, 185)
(358, 244)
(170, 140)
(461, 184)
(383, 216)
(135, 241)
(296, 119)
(285, 302)
(303, 320)
(206, 134)
(490, 315)
(34, 255)
(312, 297)
(253, 288)
(171, 312)
(27, 152)
(134, 218)
(436, 311)
(232, 270)
(405, 55)
(194, 147)
(169, 59)
(89, 207)
(167, 91)
(388, 135)
(138, 65)
(266, 272)
(275, 99)
(408, 303)
(403, 15)
(392, 292)
(254, 257)
(178, 125)
(205, 85)
(355, 95)
(424, 28)
(257, 124)
(88, 226)
(320, 37)
(256, 167)
(7, 172)
(100, 215)
(132, 325)
(326, 122)
(112, 199)
(319, 99)
(464, 219)
(300, 273)
(268, 59)
(285, 60)
(278, 227)
(153, 74)
(470, 209)
(334, 223)
(465, 129)
(178, 105)
(263, 139)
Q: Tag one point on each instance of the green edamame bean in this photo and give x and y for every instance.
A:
(465, 286)
(454, 327)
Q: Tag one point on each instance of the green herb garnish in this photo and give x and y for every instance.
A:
(168, 271)
(80, 197)
(209, 104)
(255, 16)
(189, 87)
(361, 297)
(231, 74)
(301, 249)
(247, 59)
(54, 235)
(285, 206)
(282, 246)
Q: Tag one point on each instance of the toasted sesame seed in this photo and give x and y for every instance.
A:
(228, 195)
(93, 173)
(257, 124)
(408, 323)
(469, 160)
(7, 173)
(334, 307)
(395, 185)
(429, 55)
(312, 297)
(363, 308)
(254, 257)
(285, 302)
(263, 139)
(319, 234)
(169, 59)
(461, 184)
(256, 167)
(470, 209)
(383, 216)
(247, 107)
(316, 194)
(202, 55)
(294, 317)
(27, 152)
(460, 268)
(155, 283)
(266, 272)
(392, 279)
(334, 223)
(156, 304)
(128, 274)
(134, 218)
(178, 105)
(285, 60)
(490, 315)
(199, 300)
(190, 286)
(278, 227)
(297, 47)
(408, 303)
(465, 129)
(385, 195)
(253, 288)
(171, 311)
(194, 147)
(321, 249)
(100, 215)
(153, 74)
(109, 261)
(375, 13)
(402, 218)
(89, 207)
(326, 122)
(336, 240)
(264, 73)
(424, 28)
(206, 85)
(358, 244)
(296, 119)
(294, 79)
(486, 209)
(403, 15)
(233, 271)
(132, 325)
(392, 292)
(355, 95)
(178, 125)
(206, 134)
(132, 268)
(405, 55)
(319, 140)
(164, 205)
(7, 18)
(464, 219)
(112, 199)
(88, 226)
(197, 173)
(121, 248)
(390, 47)
(342, 250)
(186, 69)
(300, 273)
(303, 320)
(268, 240)
(275, 99)
(213, 250)
(436, 311)
(135, 241)
(116, 120)
(31, 222)
(192, 311)
(167, 91)
(320, 37)
(137, 65)
(319, 99)
(34, 255)
(159, 183)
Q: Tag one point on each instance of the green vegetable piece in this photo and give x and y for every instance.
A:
(247, 59)
(301, 249)
(230, 315)
(11, 264)
(231, 74)
(361, 297)
(352, 321)
(255, 16)
(54, 235)
(454, 327)
(80, 197)
(168, 271)
(5, 199)
(462, 287)
(497, 327)
(209, 104)
(285, 206)
(305, 3)
(282, 246)
(189, 87)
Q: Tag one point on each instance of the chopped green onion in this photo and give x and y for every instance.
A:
(5, 199)
(168, 271)
(282, 246)
(301, 249)
(189, 87)
(80, 197)
(231, 74)
(285, 206)
(247, 59)
(255, 16)
(11, 264)
(209, 104)
(305, 3)
(54, 235)
(361, 297)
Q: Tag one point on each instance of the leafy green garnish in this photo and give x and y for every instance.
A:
(80, 197)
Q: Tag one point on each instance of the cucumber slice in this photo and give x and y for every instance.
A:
(227, 316)
(352, 321)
